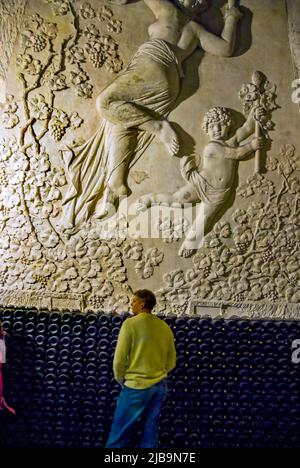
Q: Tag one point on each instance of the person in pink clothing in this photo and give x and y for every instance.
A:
(3, 404)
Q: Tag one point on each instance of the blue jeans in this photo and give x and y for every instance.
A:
(132, 404)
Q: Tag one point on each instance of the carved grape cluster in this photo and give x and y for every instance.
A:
(3, 278)
(242, 247)
(41, 279)
(57, 130)
(5, 212)
(96, 302)
(239, 297)
(38, 43)
(3, 177)
(267, 256)
(272, 295)
(97, 57)
(104, 49)
(25, 261)
(60, 121)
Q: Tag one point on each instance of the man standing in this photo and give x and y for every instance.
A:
(144, 355)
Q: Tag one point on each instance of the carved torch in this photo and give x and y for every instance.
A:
(259, 96)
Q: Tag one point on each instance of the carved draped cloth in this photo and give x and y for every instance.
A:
(146, 90)
(206, 192)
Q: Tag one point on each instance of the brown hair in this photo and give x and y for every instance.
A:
(147, 296)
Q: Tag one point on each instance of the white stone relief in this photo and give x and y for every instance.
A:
(262, 261)
(252, 255)
(9, 117)
(60, 7)
(139, 176)
(11, 22)
(114, 26)
(87, 12)
(133, 250)
(27, 64)
(294, 34)
(105, 14)
(103, 50)
(60, 121)
(262, 94)
(212, 182)
(128, 102)
(248, 310)
(172, 230)
(145, 262)
(145, 267)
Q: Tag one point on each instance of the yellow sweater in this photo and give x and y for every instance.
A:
(145, 351)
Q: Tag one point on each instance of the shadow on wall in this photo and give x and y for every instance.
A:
(213, 21)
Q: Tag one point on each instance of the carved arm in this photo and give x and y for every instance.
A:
(243, 151)
(160, 7)
(248, 128)
(187, 166)
(221, 46)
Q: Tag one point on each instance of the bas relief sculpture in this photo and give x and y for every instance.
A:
(213, 183)
(135, 106)
(52, 251)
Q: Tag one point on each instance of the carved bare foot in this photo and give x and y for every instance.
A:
(169, 138)
(186, 253)
(110, 199)
(143, 202)
(103, 212)
(120, 191)
(165, 132)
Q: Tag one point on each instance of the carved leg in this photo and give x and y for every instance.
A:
(121, 144)
(185, 194)
(118, 106)
(201, 226)
(145, 201)
(111, 105)
(164, 131)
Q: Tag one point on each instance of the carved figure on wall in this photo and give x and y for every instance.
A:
(212, 184)
(135, 106)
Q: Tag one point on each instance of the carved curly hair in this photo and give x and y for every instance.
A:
(217, 114)
(197, 5)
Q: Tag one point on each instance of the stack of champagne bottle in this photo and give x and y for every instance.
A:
(235, 384)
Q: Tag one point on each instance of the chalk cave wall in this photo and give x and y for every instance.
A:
(61, 55)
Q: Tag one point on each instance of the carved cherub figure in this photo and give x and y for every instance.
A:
(213, 182)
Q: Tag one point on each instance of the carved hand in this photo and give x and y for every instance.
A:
(260, 112)
(259, 143)
(230, 9)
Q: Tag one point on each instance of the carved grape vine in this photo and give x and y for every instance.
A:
(254, 258)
